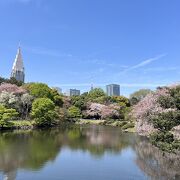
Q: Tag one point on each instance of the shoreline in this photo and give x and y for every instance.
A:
(27, 124)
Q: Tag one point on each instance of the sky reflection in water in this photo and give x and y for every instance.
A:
(79, 153)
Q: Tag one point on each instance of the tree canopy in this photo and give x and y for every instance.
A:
(43, 112)
(139, 95)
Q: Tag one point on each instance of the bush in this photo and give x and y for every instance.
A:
(74, 112)
(165, 141)
(166, 121)
(43, 112)
(166, 102)
(6, 115)
(161, 136)
(128, 125)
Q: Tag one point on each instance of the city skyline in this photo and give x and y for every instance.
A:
(131, 43)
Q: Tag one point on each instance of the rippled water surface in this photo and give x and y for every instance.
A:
(83, 153)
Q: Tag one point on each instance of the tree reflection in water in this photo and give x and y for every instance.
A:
(155, 163)
(32, 150)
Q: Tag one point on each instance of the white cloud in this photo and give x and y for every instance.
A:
(145, 62)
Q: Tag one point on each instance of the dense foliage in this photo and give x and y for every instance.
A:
(97, 105)
(40, 102)
(18, 102)
(11, 81)
(43, 112)
(74, 112)
(139, 95)
(6, 115)
(41, 90)
(157, 115)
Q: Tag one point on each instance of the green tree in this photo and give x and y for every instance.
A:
(139, 95)
(39, 90)
(57, 98)
(165, 121)
(79, 101)
(96, 93)
(121, 100)
(74, 112)
(6, 115)
(12, 80)
(43, 112)
(175, 94)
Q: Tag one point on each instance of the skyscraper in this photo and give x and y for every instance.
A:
(18, 67)
(73, 92)
(113, 90)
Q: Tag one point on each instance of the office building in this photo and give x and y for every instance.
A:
(113, 90)
(73, 92)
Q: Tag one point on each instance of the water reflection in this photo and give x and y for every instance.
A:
(156, 164)
(28, 150)
(32, 150)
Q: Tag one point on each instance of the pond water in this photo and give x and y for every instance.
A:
(83, 153)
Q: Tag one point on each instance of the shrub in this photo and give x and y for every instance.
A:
(74, 112)
(128, 125)
(165, 141)
(161, 136)
(6, 115)
(22, 103)
(43, 112)
(166, 121)
(166, 102)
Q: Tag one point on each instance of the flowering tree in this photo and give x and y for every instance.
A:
(12, 88)
(8, 99)
(100, 111)
(159, 111)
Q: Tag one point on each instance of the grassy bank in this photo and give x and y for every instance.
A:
(20, 124)
(124, 125)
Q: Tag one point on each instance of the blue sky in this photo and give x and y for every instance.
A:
(73, 43)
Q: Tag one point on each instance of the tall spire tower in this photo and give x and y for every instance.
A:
(18, 67)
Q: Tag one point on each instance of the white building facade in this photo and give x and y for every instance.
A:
(18, 71)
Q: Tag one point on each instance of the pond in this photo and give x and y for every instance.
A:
(83, 153)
